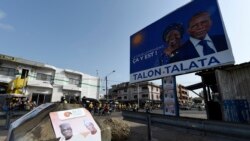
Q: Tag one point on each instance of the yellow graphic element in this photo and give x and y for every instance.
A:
(137, 39)
(85, 134)
(16, 86)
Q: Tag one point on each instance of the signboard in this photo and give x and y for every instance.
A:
(189, 39)
(170, 96)
(76, 125)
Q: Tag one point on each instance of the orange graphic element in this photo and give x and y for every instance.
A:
(137, 39)
(67, 114)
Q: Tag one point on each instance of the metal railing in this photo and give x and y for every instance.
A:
(238, 130)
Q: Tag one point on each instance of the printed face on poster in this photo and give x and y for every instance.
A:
(189, 39)
(75, 125)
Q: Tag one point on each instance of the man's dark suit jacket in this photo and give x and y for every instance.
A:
(188, 51)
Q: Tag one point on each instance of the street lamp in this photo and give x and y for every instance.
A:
(106, 79)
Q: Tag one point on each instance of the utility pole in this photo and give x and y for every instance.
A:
(106, 79)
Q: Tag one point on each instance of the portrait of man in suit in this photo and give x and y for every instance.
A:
(200, 43)
(66, 131)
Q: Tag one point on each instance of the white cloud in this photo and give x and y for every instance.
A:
(2, 14)
(6, 27)
(3, 26)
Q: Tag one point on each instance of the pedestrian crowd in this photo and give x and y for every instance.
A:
(99, 108)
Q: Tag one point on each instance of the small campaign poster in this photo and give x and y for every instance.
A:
(75, 125)
(170, 98)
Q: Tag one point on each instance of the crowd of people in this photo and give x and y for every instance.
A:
(17, 103)
(94, 106)
(98, 108)
(106, 108)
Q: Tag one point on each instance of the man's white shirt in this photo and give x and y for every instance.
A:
(199, 48)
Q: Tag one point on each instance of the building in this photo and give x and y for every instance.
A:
(147, 91)
(126, 92)
(183, 95)
(47, 83)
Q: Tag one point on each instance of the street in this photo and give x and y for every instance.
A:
(139, 130)
(194, 113)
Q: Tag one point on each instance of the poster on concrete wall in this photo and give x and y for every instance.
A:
(189, 39)
(170, 96)
(76, 125)
(236, 110)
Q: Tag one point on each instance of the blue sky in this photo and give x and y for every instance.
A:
(91, 35)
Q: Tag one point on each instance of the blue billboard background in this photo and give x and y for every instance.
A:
(147, 45)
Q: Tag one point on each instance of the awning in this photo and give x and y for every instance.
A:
(35, 83)
(71, 88)
(71, 71)
(194, 86)
(13, 95)
(6, 79)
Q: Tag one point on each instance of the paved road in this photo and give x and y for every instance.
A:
(194, 113)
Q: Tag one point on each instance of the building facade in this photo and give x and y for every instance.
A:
(144, 91)
(183, 95)
(46, 83)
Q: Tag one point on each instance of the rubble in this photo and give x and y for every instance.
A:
(120, 130)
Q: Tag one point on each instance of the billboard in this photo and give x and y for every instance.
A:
(189, 39)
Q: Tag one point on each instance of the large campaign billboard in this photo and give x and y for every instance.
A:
(189, 39)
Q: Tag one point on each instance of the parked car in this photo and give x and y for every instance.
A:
(185, 107)
(201, 107)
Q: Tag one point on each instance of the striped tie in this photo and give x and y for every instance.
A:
(206, 49)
